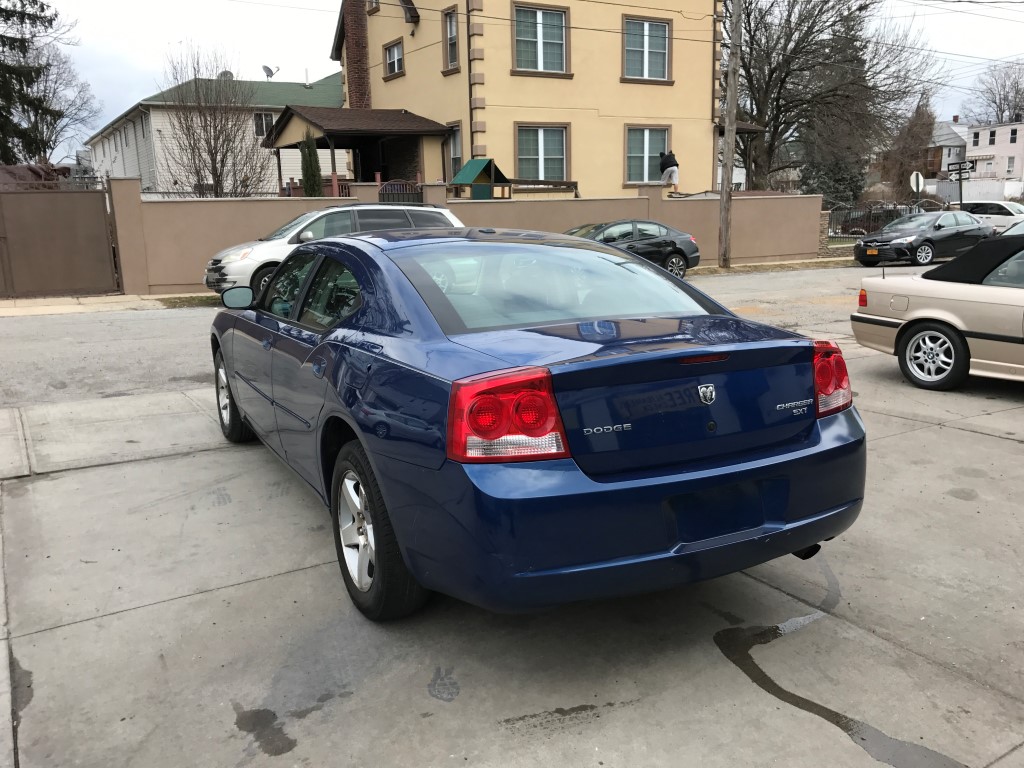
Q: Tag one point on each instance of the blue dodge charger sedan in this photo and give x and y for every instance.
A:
(520, 419)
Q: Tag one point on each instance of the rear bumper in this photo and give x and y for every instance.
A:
(522, 536)
(693, 259)
(875, 332)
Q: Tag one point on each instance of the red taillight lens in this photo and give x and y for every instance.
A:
(862, 298)
(832, 392)
(506, 415)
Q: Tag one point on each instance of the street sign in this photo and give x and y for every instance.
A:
(916, 182)
(959, 175)
(966, 165)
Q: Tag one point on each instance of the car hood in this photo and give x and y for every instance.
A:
(259, 247)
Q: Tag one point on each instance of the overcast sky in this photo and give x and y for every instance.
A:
(123, 48)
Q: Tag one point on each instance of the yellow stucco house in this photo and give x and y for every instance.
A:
(581, 90)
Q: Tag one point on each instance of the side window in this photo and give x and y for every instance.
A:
(280, 294)
(617, 232)
(1009, 274)
(382, 219)
(429, 219)
(337, 224)
(947, 220)
(963, 220)
(1000, 210)
(333, 295)
(645, 230)
(971, 207)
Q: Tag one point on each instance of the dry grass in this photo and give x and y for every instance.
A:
(790, 266)
(181, 302)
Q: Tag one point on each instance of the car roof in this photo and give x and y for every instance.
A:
(974, 265)
(385, 205)
(393, 239)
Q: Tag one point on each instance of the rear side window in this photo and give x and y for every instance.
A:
(333, 295)
(1009, 274)
(647, 229)
(382, 219)
(473, 287)
(429, 219)
(280, 294)
(963, 220)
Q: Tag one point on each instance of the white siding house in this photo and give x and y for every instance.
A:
(136, 143)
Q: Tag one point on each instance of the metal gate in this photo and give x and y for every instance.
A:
(55, 243)
(400, 191)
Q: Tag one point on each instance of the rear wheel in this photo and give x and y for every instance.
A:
(675, 264)
(924, 254)
(260, 278)
(934, 356)
(375, 575)
(231, 424)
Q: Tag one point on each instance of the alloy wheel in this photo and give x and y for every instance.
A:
(223, 397)
(924, 254)
(676, 265)
(356, 529)
(930, 356)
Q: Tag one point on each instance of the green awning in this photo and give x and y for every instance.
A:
(479, 172)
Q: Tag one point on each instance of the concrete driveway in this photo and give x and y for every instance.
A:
(173, 600)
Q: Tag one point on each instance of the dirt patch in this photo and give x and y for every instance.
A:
(183, 302)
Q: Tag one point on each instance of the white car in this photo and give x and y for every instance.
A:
(254, 262)
(1000, 214)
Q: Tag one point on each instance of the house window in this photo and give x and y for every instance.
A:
(540, 153)
(949, 151)
(125, 129)
(646, 53)
(988, 168)
(263, 121)
(991, 137)
(642, 158)
(1013, 135)
(455, 150)
(977, 135)
(450, 19)
(145, 124)
(540, 40)
(394, 59)
(1010, 162)
(372, 6)
(117, 141)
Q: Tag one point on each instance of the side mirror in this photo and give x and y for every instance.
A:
(239, 297)
(306, 236)
(938, 226)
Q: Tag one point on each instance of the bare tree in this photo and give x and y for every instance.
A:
(62, 106)
(811, 70)
(908, 150)
(213, 150)
(999, 94)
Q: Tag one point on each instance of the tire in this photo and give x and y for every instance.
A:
(867, 263)
(230, 420)
(923, 255)
(260, 278)
(371, 565)
(675, 264)
(934, 356)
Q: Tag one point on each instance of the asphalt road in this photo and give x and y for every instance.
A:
(172, 600)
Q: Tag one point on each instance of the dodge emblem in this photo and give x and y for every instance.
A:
(707, 393)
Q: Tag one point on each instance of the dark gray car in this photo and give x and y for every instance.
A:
(669, 248)
(920, 238)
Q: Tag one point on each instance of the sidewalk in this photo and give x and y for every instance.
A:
(66, 305)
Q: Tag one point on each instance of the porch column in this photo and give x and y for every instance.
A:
(280, 178)
(334, 169)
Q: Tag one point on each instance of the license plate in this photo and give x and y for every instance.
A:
(872, 251)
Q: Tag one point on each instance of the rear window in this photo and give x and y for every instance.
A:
(382, 219)
(474, 287)
(429, 219)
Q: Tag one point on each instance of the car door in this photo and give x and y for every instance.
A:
(621, 235)
(303, 359)
(971, 230)
(947, 236)
(332, 224)
(652, 242)
(995, 327)
(257, 330)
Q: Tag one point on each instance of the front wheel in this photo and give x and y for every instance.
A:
(924, 254)
(231, 424)
(372, 567)
(260, 278)
(675, 264)
(934, 356)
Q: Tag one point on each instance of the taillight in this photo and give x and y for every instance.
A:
(693, 239)
(508, 415)
(862, 298)
(832, 392)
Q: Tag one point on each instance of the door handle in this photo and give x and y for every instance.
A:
(319, 366)
(268, 342)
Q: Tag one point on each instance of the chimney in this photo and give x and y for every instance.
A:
(357, 55)
(956, 118)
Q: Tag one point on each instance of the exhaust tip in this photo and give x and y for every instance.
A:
(809, 552)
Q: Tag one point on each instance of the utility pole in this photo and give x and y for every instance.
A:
(729, 146)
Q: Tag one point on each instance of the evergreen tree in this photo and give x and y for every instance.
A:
(312, 182)
(22, 23)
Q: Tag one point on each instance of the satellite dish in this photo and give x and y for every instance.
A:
(226, 75)
(270, 72)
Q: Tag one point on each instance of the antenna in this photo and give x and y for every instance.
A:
(307, 85)
(270, 72)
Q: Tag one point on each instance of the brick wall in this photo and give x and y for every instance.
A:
(357, 58)
(824, 250)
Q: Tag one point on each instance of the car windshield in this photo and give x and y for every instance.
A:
(291, 226)
(914, 221)
(1016, 229)
(474, 287)
(1016, 208)
(585, 230)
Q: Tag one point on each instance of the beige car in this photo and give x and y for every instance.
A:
(964, 317)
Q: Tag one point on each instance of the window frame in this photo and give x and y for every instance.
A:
(992, 137)
(976, 138)
(1011, 162)
(668, 79)
(539, 8)
(300, 296)
(372, 7)
(449, 167)
(262, 115)
(308, 287)
(400, 41)
(626, 183)
(1013, 135)
(448, 67)
(566, 131)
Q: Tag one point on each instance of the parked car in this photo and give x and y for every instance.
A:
(964, 317)
(920, 238)
(1013, 229)
(607, 429)
(669, 248)
(862, 220)
(1000, 214)
(254, 262)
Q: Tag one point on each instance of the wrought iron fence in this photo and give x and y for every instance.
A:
(400, 191)
(849, 224)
